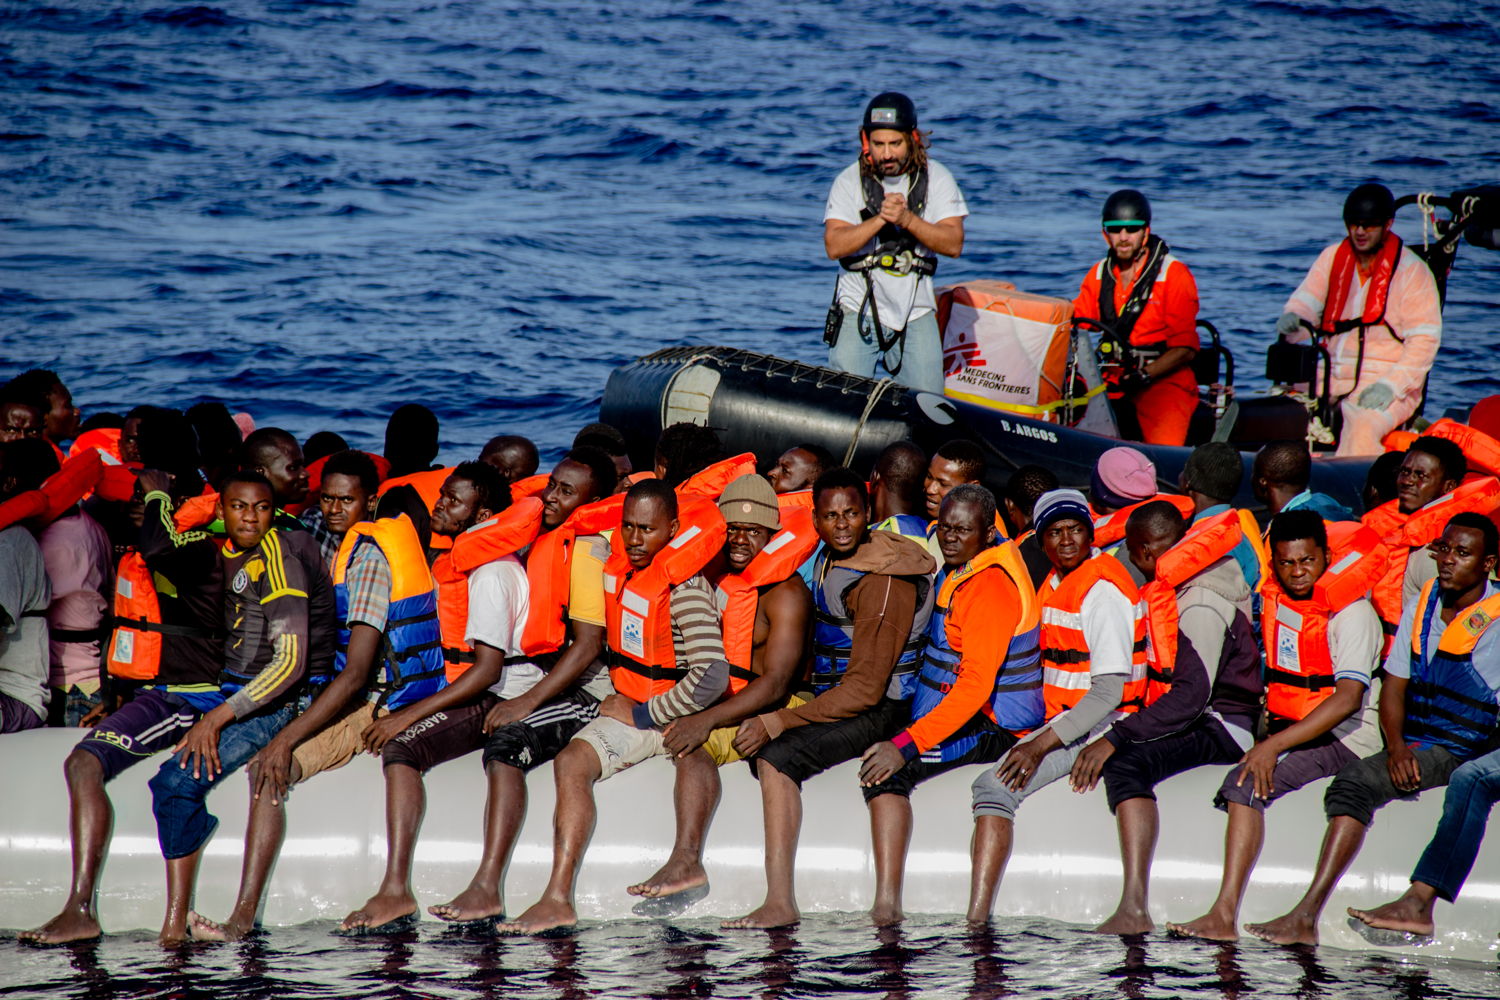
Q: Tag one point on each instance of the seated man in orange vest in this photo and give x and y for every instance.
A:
(1437, 710)
(681, 635)
(1322, 641)
(1149, 300)
(1203, 693)
(487, 601)
(765, 649)
(872, 598)
(530, 728)
(980, 683)
(1093, 671)
(1427, 494)
(1376, 306)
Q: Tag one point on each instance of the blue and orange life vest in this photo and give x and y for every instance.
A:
(833, 629)
(412, 667)
(1016, 703)
(1448, 704)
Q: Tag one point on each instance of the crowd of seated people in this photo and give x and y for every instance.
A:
(190, 590)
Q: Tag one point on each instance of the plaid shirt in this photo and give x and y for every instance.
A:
(369, 581)
(328, 542)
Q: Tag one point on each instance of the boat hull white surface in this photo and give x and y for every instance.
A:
(1066, 863)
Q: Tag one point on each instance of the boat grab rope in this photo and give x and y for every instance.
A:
(1455, 224)
(870, 403)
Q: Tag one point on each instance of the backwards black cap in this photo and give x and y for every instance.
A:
(1370, 204)
(890, 110)
(1127, 208)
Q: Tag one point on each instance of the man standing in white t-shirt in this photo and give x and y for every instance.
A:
(888, 215)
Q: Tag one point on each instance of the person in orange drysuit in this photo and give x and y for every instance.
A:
(1375, 304)
(1149, 299)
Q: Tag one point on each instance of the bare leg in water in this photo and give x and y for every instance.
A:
(576, 770)
(1138, 822)
(405, 805)
(91, 819)
(1341, 844)
(989, 852)
(695, 797)
(182, 877)
(263, 838)
(505, 809)
(1411, 913)
(782, 801)
(1243, 838)
(890, 833)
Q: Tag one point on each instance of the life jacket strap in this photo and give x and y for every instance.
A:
(1313, 682)
(186, 631)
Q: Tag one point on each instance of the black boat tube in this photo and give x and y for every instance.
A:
(766, 404)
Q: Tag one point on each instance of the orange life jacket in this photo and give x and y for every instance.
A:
(1066, 662)
(739, 593)
(1482, 450)
(506, 533)
(135, 647)
(116, 483)
(1110, 528)
(428, 485)
(530, 486)
(1402, 533)
(549, 573)
(64, 488)
(1340, 280)
(1299, 663)
(1205, 543)
(637, 603)
(105, 440)
(711, 482)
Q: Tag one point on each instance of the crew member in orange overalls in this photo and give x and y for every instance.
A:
(1149, 300)
(1376, 306)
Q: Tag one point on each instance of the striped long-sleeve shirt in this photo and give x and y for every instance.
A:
(267, 617)
(699, 645)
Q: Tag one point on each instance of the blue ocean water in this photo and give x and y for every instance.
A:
(316, 210)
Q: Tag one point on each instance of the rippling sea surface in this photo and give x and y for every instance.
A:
(316, 211)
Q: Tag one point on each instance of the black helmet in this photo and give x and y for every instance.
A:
(1127, 208)
(890, 110)
(1370, 204)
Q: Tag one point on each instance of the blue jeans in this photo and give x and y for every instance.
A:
(183, 822)
(921, 364)
(1450, 855)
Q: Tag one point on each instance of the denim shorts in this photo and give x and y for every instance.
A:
(183, 822)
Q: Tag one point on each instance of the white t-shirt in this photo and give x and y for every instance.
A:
(899, 299)
(1354, 638)
(499, 600)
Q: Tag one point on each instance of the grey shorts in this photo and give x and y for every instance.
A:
(994, 798)
(1296, 768)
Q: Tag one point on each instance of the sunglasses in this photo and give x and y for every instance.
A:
(1130, 228)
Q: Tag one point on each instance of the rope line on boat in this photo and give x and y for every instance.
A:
(870, 404)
